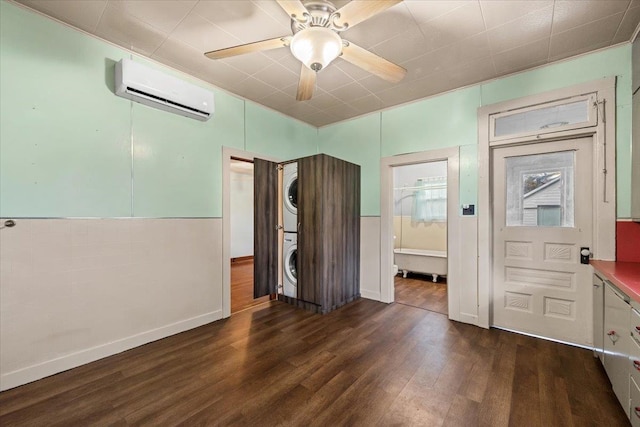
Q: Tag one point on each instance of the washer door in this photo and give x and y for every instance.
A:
(291, 194)
(290, 264)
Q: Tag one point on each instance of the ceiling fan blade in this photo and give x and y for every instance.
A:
(294, 8)
(373, 63)
(248, 48)
(306, 85)
(357, 11)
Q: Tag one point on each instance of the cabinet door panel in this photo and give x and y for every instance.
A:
(310, 230)
(265, 214)
(616, 344)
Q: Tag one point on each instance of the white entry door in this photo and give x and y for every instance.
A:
(542, 216)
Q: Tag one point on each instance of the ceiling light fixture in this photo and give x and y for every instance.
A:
(316, 47)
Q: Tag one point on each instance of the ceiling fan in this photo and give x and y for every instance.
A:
(316, 41)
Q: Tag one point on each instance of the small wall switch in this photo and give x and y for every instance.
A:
(468, 209)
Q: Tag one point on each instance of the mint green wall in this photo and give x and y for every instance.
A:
(66, 140)
(269, 132)
(358, 141)
(451, 120)
(70, 148)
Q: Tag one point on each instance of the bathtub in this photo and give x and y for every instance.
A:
(421, 261)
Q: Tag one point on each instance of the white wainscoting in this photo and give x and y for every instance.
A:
(370, 257)
(76, 290)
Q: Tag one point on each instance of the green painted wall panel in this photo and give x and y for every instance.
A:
(177, 160)
(271, 133)
(443, 121)
(64, 136)
(358, 141)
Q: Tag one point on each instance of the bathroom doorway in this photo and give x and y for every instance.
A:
(420, 235)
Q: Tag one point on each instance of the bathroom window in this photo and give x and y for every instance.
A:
(430, 200)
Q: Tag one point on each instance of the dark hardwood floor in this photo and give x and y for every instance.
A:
(419, 291)
(242, 286)
(364, 364)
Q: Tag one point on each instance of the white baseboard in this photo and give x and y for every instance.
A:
(370, 294)
(54, 366)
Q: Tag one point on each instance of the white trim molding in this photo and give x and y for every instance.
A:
(603, 132)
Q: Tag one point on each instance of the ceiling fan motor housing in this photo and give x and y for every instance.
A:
(320, 15)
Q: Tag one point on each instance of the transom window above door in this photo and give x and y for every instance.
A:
(565, 114)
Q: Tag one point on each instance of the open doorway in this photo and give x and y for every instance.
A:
(241, 235)
(420, 235)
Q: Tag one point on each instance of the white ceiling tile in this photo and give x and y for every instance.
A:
(583, 38)
(332, 78)
(570, 13)
(380, 27)
(462, 52)
(458, 24)
(375, 84)
(366, 104)
(499, 12)
(249, 63)
(242, 19)
(350, 92)
(180, 55)
(533, 26)
(160, 14)
(277, 76)
(85, 17)
(423, 11)
(404, 46)
(522, 57)
(201, 34)
(343, 111)
(273, 9)
(279, 100)
(473, 72)
(253, 89)
(128, 31)
(319, 119)
(323, 100)
(628, 25)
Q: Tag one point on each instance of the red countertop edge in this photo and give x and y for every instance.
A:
(625, 275)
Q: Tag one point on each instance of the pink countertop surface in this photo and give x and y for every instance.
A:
(625, 275)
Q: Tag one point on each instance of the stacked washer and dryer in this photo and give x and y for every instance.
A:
(290, 224)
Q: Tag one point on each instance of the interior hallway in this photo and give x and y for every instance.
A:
(367, 363)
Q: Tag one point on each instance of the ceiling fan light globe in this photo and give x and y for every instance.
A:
(316, 47)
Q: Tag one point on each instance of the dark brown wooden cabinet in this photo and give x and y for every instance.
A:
(328, 233)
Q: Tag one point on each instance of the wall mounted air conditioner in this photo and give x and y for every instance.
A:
(147, 86)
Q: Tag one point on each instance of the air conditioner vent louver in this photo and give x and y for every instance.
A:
(166, 101)
(151, 87)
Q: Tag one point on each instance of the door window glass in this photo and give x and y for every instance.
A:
(540, 190)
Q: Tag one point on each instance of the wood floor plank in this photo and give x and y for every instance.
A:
(366, 363)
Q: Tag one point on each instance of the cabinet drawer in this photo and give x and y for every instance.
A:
(635, 404)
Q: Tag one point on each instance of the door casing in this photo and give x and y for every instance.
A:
(604, 196)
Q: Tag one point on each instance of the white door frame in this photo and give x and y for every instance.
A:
(604, 151)
(452, 157)
(227, 154)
